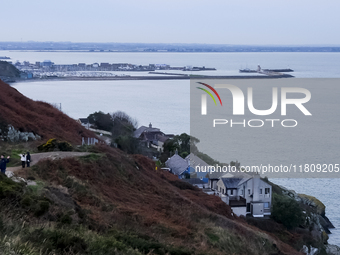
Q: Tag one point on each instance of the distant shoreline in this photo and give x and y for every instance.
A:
(168, 77)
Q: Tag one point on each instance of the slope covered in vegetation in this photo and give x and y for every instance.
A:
(40, 118)
(110, 202)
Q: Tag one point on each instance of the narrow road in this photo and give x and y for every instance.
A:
(35, 158)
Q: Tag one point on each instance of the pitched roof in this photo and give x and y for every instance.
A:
(231, 183)
(177, 164)
(194, 161)
(244, 180)
(162, 138)
(84, 120)
(218, 175)
(137, 133)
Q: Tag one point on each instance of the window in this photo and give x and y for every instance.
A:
(266, 205)
(266, 190)
(232, 192)
(248, 191)
(260, 191)
(241, 191)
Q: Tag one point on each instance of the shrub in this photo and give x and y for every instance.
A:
(128, 144)
(26, 201)
(50, 145)
(54, 144)
(66, 219)
(64, 146)
(9, 188)
(42, 208)
(287, 211)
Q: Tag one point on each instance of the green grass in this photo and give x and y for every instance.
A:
(9, 188)
(91, 157)
(14, 151)
(36, 189)
(20, 238)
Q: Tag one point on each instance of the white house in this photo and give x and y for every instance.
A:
(84, 122)
(247, 195)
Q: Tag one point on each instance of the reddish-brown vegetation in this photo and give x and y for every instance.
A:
(40, 118)
(127, 193)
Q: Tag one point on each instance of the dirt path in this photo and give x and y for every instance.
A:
(35, 158)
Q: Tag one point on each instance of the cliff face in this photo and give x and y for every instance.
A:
(38, 118)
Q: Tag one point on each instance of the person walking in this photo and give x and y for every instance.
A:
(23, 160)
(3, 162)
(28, 159)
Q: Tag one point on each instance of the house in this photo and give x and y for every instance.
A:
(84, 122)
(178, 166)
(197, 165)
(246, 195)
(214, 177)
(198, 168)
(258, 195)
(152, 137)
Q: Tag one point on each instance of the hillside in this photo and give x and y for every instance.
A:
(8, 70)
(40, 118)
(112, 203)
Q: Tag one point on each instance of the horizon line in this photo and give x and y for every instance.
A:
(179, 43)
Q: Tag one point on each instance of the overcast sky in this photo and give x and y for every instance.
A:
(260, 22)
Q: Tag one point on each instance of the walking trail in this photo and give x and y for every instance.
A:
(35, 158)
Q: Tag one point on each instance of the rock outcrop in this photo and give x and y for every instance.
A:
(332, 249)
(14, 135)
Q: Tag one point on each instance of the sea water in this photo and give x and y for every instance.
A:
(165, 104)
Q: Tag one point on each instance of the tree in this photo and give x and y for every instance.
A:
(287, 211)
(128, 144)
(183, 143)
(122, 124)
(123, 127)
(101, 121)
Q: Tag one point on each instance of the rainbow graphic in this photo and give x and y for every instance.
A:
(209, 93)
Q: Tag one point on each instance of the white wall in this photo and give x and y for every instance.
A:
(239, 210)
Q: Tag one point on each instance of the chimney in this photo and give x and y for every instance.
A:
(150, 125)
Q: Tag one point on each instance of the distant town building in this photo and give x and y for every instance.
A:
(47, 63)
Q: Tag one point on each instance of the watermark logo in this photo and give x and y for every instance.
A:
(238, 99)
(239, 102)
(204, 97)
